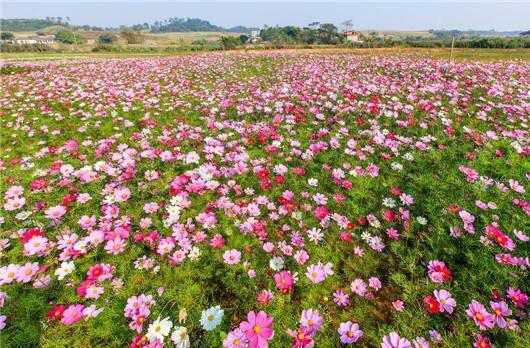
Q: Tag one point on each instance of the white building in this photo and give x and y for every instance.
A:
(352, 36)
(254, 36)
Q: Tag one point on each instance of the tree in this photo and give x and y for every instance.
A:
(229, 42)
(107, 39)
(132, 37)
(347, 25)
(243, 38)
(68, 37)
(6, 35)
(329, 35)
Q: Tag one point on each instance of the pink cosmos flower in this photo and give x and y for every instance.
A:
(374, 283)
(519, 298)
(232, 257)
(349, 332)
(26, 272)
(55, 213)
(311, 318)
(235, 339)
(398, 305)
(392, 340)
(122, 194)
(284, 281)
(447, 303)
(500, 310)
(115, 246)
(14, 203)
(358, 287)
(72, 314)
(482, 318)
(315, 273)
(257, 329)
(341, 298)
(8, 273)
(35, 246)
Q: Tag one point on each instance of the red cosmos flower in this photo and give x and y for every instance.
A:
(263, 173)
(395, 191)
(431, 305)
(81, 290)
(299, 171)
(388, 215)
(279, 179)
(265, 184)
(361, 221)
(345, 236)
(15, 161)
(56, 313)
(32, 232)
(95, 271)
(351, 225)
(69, 198)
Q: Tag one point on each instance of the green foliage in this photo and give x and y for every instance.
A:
(325, 34)
(132, 37)
(107, 39)
(69, 37)
(26, 24)
(6, 35)
(229, 42)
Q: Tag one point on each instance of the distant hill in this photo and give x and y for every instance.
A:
(27, 24)
(190, 25)
(443, 34)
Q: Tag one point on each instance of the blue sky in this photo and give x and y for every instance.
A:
(398, 15)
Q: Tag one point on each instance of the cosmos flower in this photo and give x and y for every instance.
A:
(159, 329)
(257, 329)
(349, 332)
(211, 318)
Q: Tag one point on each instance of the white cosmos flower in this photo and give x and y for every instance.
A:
(312, 182)
(211, 318)
(180, 337)
(159, 329)
(276, 263)
(195, 253)
(65, 269)
(389, 202)
(421, 220)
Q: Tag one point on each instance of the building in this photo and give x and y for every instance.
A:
(254, 36)
(352, 36)
(34, 40)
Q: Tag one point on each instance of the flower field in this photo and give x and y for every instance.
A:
(265, 200)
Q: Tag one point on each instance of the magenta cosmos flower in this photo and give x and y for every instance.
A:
(392, 340)
(349, 332)
(257, 329)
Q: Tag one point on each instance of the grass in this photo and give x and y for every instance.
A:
(458, 53)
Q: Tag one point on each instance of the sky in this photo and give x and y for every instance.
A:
(387, 15)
